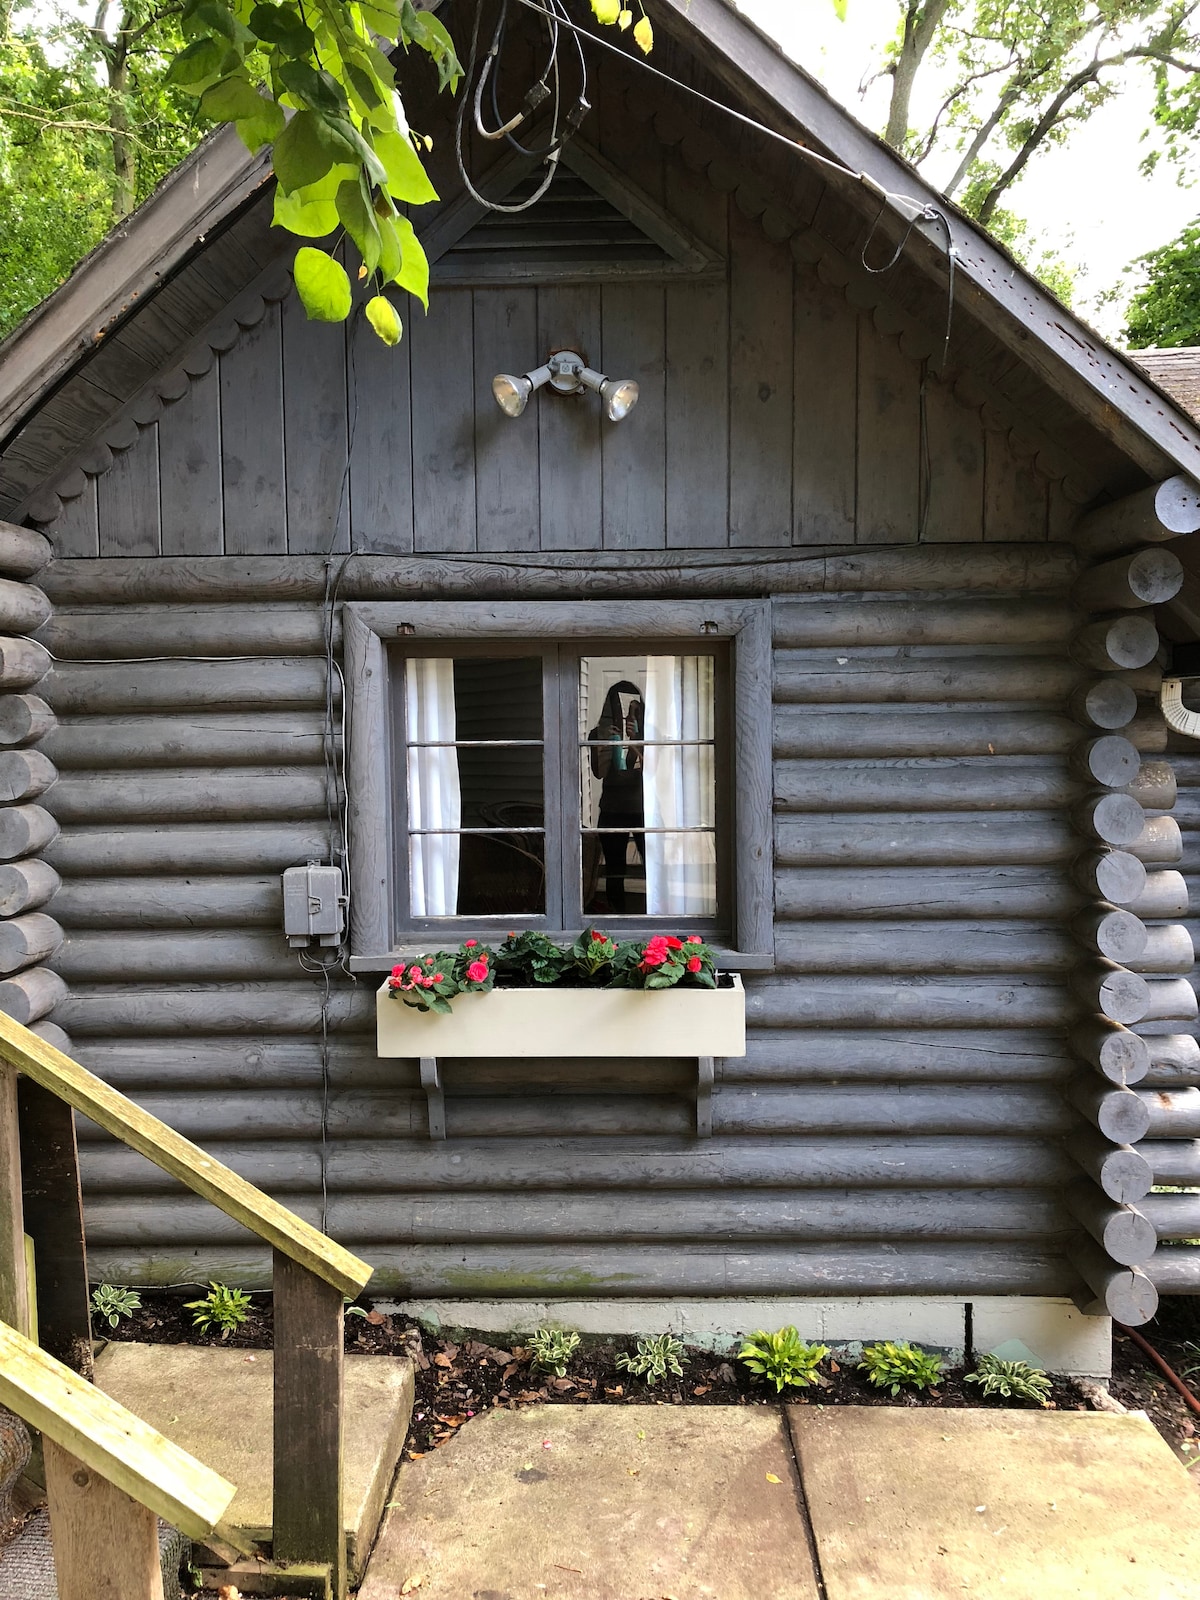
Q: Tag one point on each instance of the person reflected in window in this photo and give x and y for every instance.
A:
(618, 765)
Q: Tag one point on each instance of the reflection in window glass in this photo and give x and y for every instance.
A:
(475, 804)
(648, 785)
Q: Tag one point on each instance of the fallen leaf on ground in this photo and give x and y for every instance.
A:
(415, 1582)
(376, 1318)
(771, 1478)
(702, 1388)
(442, 1359)
(450, 1422)
(510, 1370)
(616, 1389)
(563, 1385)
(229, 1591)
(833, 1367)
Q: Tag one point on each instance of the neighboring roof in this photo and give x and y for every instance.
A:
(1176, 372)
(67, 335)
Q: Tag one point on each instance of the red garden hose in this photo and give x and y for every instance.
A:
(1168, 1373)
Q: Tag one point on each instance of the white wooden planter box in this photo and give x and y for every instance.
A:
(527, 1023)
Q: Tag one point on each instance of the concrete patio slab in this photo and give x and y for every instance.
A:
(611, 1503)
(217, 1404)
(996, 1505)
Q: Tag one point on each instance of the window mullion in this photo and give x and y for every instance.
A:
(567, 728)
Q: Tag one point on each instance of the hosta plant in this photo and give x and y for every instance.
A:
(221, 1309)
(654, 1358)
(783, 1358)
(551, 1350)
(900, 1365)
(1011, 1379)
(110, 1304)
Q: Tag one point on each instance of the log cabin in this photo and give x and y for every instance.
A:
(926, 536)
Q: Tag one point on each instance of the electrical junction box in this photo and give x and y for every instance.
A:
(314, 905)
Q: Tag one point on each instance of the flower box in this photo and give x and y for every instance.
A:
(560, 1021)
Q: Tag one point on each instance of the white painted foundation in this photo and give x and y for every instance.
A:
(1049, 1332)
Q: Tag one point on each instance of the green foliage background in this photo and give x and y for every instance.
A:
(1165, 312)
(58, 183)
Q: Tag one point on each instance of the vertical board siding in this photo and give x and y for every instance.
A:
(761, 375)
(697, 400)
(506, 448)
(894, 1123)
(634, 345)
(569, 462)
(825, 414)
(189, 456)
(127, 499)
(772, 413)
(252, 458)
(381, 446)
(315, 418)
(443, 424)
(889, 441)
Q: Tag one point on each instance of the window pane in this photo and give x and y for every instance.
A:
(648, 769)
(499, 697)
(474, 760)
(499, 874)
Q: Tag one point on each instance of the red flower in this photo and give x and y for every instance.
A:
(397, 972)
(654, 958)
(599, 938)
(478, 971)
(439, 977)
(393, 982)
(414, 971)
(428, 961)
(694, 964)
(674, 944)
(659, 942)
(469, 944)
(694, 938)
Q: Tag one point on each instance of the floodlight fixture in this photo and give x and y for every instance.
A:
(567, 373)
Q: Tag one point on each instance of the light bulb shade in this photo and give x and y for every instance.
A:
(512, 394)
(619, 396)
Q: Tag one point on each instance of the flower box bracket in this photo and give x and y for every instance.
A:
(435, 1096)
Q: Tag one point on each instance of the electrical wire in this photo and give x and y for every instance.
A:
(460, 117)
(916, 210)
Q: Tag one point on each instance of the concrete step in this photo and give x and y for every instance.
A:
(217, 1404)
(601, 1503)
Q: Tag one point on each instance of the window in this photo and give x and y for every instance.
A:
(558, 764)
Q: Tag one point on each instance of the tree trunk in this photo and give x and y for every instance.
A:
(920, 27)
(124, 154)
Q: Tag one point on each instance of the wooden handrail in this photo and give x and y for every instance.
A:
(101, 1433)
(112, 1111)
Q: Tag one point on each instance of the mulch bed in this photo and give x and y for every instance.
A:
(456, 1381)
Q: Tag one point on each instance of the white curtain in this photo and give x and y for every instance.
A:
(434, 798)
(679, 788)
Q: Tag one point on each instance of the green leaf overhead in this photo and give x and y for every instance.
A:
(322, 285)
(381, 314)
(310, 78)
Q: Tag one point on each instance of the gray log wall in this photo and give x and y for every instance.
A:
(898, 1122)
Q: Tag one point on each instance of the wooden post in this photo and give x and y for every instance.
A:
(53, 1208)
(105, 1543)
(308, 1519)
(14, 1285)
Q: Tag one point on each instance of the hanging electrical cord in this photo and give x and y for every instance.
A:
(485, 75)
(540, 92)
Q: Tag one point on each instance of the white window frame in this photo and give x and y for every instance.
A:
(378, 932)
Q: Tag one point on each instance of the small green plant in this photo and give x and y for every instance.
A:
(654, 1358)
(900, 1366)
(1009, 1378)
(783, 1358)
(111, 1304)
(551, 1350)
(223, 1308)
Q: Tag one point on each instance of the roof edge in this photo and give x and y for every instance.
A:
(131, 261)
